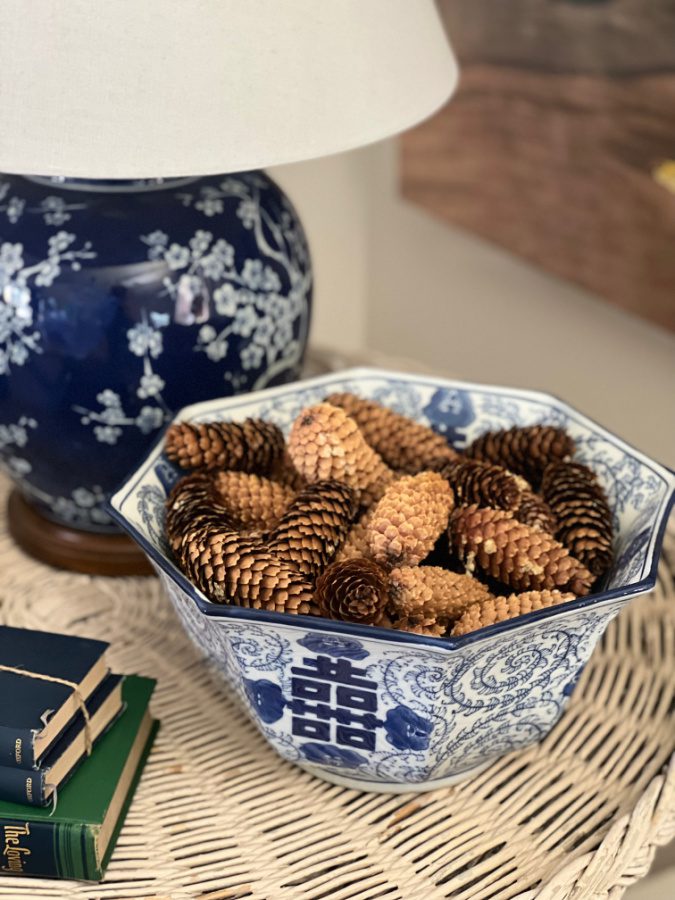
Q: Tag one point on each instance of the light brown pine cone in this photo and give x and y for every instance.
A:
(325, 443)
(409, 518)
(499, 609)
(534, 511)
(353, 591)
(314, 527)
(513, 553)
(421, 624)
(252, 446)
(404, 445)
(231, 568)
(525, 451)
(253, 501)
(585, 523)
(474, 481)
(356, 543)
(433, 593)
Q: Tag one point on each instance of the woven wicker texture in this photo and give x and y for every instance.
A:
(218, 815)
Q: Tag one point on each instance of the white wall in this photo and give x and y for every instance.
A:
(391, 278)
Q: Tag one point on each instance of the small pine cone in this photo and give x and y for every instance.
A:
(193, 503)
(409, 518)
(583, 514)
(314, 527)
(432, 593)
(421, 624)
(251, 446)
(534, 511)
(356, 543)
(254, 502)
(325, 443)
(498, 609)
(473, 481)
(231, 568)
(525, 451)
(405, 445)
(514, 553)
(354, 591)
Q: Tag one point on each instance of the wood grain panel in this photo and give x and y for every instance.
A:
(567, 169)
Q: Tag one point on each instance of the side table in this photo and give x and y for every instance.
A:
(218, 815)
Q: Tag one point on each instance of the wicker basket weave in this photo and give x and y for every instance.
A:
(218, 815)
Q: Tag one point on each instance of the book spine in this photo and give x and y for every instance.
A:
(48, 849)
(22, 786)
(16, 747)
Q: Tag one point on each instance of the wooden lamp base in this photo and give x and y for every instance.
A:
(68, 548)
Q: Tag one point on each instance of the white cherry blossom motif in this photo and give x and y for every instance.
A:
(111, 419)
(14, 437)
(18, 337)
(263, 317)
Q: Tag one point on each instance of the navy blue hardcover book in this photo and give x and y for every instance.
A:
(36, 786)
(33, 712)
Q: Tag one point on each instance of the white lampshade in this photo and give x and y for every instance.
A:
(142, 88)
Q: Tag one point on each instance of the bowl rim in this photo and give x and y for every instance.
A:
(384, 635)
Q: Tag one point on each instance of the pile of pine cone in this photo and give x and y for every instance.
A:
(367, 516)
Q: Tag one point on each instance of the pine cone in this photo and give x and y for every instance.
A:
(231, 568)
(253, 502)
(514, 553)
(421, 624)
(326, 444)
(525, 451)
(356, 543)
(404, 445)
(251, 446)
(314, 527)
(286, 474)
(409, 518)
(534, 511)
(193, 503)
(433, 593)
(583, 514)
(473, 481)
(498, 609)
(354, 591)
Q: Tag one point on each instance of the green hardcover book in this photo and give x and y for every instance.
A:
(78, 839)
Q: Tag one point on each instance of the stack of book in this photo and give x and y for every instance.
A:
(73, 741)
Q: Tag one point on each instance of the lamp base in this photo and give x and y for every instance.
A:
(67, 548)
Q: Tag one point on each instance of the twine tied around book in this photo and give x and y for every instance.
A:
(76, 692)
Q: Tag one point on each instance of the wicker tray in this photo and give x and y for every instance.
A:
(218, 815)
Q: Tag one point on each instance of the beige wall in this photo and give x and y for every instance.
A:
(391, 278)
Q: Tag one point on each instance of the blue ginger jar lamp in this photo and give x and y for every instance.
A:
(133, 281)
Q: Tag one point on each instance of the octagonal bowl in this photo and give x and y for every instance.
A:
(390, 711)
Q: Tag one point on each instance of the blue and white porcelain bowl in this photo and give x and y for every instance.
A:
(391, 711)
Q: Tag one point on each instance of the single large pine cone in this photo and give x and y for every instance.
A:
(314, 527)
(583, 514)
(432, 593)
(356, 543)
(474, 481)
(409, 518)
(420, 623)
(513, 553)
(534, 511)
(193, 503)
(525, 451)
(254, 502)
(404, 445)
(252, 446)
(231, 568)
(325, 443)
(354, 591)
(498, 609)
